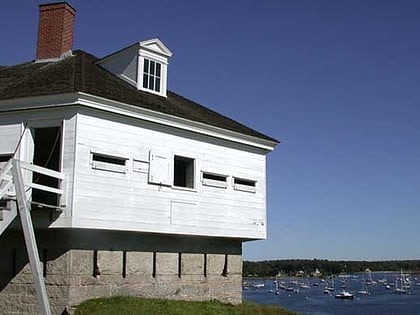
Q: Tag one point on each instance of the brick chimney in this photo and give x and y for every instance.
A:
(55, 30)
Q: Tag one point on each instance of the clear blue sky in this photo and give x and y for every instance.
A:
(336, 81)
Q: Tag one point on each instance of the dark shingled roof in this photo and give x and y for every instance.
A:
(80, 73)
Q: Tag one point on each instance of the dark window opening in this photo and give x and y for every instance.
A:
(108, 159)
(183, 172)
(210, 176)
(47, 147)
(214, 180)
(245, 182)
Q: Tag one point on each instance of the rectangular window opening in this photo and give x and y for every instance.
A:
(151, 75)
(109, 163)
(184, 172)
(108, 159)
(244, 184)
(214, 180)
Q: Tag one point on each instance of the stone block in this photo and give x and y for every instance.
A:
(234, 264)
(139, 263)
(110, 262)
(58, 262)
(192, 264)
(81, 262)
(166, 264)
(215, 264)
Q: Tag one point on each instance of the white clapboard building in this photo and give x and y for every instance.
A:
(132, 189)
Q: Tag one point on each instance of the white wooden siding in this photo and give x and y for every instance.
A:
(9, 135)
(137, 201)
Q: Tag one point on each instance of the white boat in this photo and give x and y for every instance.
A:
(369, 279)
(344, 295)
(329, 289)
(258, 285)
(305, 285)
(364, 289)
(402, 285)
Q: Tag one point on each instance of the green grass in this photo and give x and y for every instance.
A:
(132, 306)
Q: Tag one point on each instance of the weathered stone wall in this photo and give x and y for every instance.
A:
(81, 265)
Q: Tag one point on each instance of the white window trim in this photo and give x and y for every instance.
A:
(242, 187)
(110, 167)
(163, 75)
(214, 182)
(196, 172)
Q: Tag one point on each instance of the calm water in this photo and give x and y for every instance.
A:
(313, 301)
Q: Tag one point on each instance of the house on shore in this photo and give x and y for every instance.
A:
(133, 189)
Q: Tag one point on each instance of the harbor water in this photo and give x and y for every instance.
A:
(381, 298)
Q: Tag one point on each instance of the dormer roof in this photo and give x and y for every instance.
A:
(156, 46)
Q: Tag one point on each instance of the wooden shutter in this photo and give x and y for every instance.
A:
(160, 168)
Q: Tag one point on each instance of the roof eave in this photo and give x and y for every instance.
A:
(104, 104)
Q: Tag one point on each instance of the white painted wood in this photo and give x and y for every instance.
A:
(41, 170)
(160, 168)
(123, 64)
(98, 198)
(149, 202)
(30, 241)
(10, 135)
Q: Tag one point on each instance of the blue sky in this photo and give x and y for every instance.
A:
(337, 82)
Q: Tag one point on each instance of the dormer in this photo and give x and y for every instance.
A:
(143, 65)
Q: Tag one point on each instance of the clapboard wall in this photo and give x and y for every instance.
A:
(125, 197)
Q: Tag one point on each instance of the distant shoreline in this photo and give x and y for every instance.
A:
(322, 267)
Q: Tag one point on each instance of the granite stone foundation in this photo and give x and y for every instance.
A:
(79, 265)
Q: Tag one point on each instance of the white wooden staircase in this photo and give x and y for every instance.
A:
(14, 202)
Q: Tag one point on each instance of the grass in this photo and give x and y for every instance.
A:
(133, 306)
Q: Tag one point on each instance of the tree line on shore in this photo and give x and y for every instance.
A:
(292, 267)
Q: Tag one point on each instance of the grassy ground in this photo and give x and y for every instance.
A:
(132, 306)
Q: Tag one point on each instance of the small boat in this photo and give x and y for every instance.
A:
(402, 285)
(305, 285)
(258, 285)
(364, 289)
(327, 289)
(344, 295)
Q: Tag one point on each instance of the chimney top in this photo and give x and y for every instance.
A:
(55, 30)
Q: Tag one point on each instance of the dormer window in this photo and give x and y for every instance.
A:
(153, 64)
(143, 65)
(152, 75)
